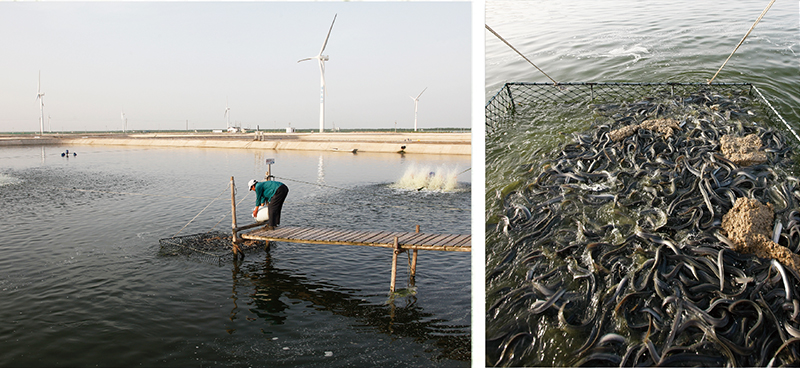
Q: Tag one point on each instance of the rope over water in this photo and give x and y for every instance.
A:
(520, 54)
(742, 41)
(201, 211)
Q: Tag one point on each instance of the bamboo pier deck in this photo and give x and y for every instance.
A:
(385, 239)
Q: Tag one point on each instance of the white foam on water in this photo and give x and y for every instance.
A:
(8, 180)
(635, 51)
(423, 178)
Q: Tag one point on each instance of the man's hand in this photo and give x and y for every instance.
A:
(255, 212)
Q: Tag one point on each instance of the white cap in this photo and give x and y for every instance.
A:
(251, 183)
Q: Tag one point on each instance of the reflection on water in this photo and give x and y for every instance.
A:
(320, 172)
(275, 289)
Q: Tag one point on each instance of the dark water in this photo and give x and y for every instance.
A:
(82, 282)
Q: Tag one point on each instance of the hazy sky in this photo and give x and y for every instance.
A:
(166, 63)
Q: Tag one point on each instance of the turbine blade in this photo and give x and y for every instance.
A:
(304, 59)
(328, 36)
(423, 91)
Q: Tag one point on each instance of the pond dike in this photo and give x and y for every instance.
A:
(411, 143)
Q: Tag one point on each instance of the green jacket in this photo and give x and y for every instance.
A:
(265, 190)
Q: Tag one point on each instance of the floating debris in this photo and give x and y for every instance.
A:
(401, 293)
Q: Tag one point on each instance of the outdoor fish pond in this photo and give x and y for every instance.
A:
(607, 239)
(85, 281)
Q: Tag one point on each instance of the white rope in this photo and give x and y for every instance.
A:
(226, 216)
(201, 211)
(129, 193)
(742, 41)
(520, 54)
(776, 113)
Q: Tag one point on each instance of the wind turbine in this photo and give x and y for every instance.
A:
(227, 115)
(124, 122)
(416, 100)
(39, 97)
(322, 59)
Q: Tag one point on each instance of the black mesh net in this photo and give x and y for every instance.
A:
(518, 101)
(212, 247)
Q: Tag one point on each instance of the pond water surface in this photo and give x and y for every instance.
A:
(82, 281)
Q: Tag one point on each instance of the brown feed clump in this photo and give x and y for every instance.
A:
(749, 227)
(664, 126)
(743, 151)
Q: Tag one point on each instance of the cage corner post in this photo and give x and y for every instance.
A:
(235, 239)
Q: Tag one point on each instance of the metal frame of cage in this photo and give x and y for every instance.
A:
(504, 104)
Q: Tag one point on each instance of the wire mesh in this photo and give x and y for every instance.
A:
(518, 100)
(211, 247)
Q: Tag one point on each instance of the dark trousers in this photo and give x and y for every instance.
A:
(276, 204)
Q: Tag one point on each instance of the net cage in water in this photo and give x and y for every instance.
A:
(212, 246)
(615, 252)
(516, 99)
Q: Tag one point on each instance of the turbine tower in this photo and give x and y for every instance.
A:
(416, 100)
(227, 115)
(124, 122)
(322, 59)
(39, 97)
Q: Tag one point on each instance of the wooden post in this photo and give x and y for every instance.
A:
(233, 216)
(395, 252)
(414, 263)
(268, 175)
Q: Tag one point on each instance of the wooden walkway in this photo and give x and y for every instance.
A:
(385, 239)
